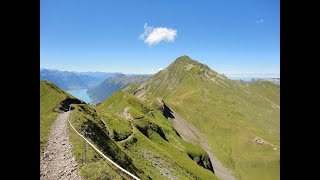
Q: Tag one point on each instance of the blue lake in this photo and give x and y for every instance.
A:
(80, 94)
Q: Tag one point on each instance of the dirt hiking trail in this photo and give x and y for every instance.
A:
(57, 161)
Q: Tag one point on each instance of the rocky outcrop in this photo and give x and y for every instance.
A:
(166, 111)
(201, 160)
(64, 105)
(147, 127)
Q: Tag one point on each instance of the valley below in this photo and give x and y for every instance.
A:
(81, 94)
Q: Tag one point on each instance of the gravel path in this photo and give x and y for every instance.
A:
(57, 161)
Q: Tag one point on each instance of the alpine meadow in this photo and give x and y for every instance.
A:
(162, 90)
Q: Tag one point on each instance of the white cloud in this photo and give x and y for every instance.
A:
(153, 36)
(260, 21)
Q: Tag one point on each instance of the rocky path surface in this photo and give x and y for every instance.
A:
(57, 161)
(191, 134)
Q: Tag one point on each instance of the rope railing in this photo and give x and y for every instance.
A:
(116, 165)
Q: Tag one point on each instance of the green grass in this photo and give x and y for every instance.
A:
(266, 89)
(229, 113)
(100, 170)
(137, 153)
(154, 139)
(85, 119)
(119, 128)
(230, 124)
(119, 100)
(168, 155)
(96, 166)
(50, 98)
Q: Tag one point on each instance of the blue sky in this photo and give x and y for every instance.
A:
(230, 36)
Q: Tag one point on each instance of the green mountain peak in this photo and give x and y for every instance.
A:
(229, 113)
(185, 60)
(186, 63)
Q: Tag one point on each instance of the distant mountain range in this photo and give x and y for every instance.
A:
(99, 75)
(112, 84)
(70, 80)
(273, 80)
(184, 122)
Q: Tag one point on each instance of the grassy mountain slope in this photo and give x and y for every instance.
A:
(147, 146)
(147, 137)
(106, 88)
(230, 114)
(85, 119)
(52, 99)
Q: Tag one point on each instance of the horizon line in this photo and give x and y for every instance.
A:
(231, 74)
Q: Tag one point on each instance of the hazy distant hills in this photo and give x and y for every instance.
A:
(73, 80)
(99, 75)
(273, 80)
(68, 80)
(112, 84)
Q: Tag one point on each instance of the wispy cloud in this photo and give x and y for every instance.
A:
(155, 70)
(260, 20)
(153, 36)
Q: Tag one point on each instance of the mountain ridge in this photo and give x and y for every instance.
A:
(110, 85)
(221, 107)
